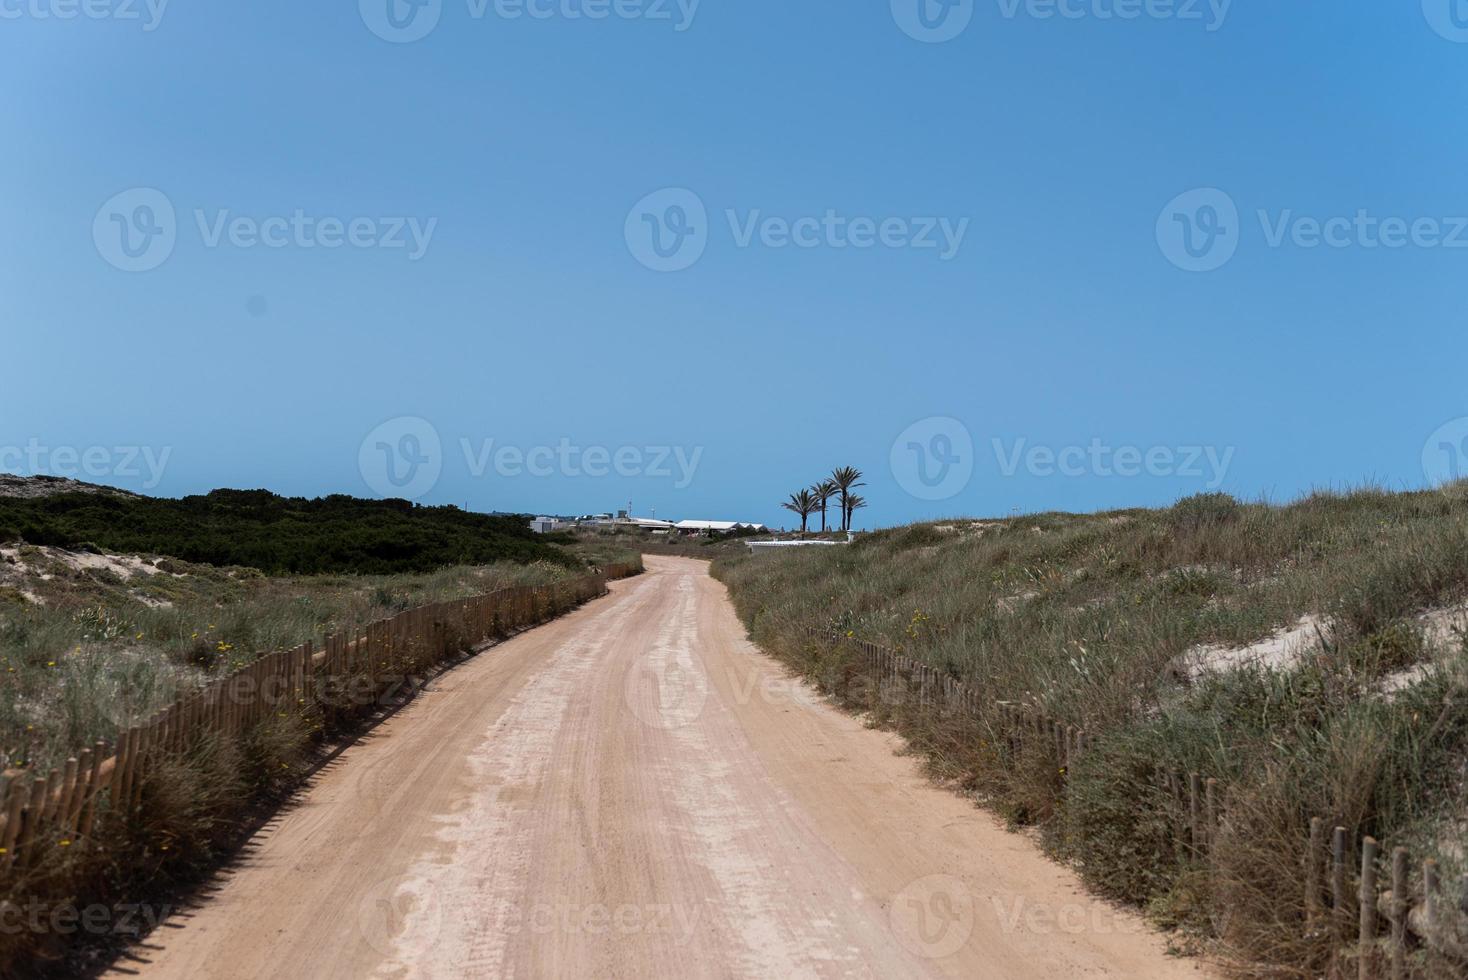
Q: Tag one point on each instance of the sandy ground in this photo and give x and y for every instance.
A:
(635, 791)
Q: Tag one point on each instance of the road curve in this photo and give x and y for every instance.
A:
(635, 791)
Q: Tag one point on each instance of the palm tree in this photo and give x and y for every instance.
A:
(823, 492)
(846, 478)
(804, 504)
(854, 503)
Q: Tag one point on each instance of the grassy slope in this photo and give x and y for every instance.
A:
(106, 646)
(1088, 615)
(278, 535)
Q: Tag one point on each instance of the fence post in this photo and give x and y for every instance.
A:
(53, 790)
(31, 817)
(1399, 913)
(68, 793)
(1210, 810)
(1367, 937)
(99, 751)
(1338, 885)
(15, 803)
(1195, 790)
(79, 790)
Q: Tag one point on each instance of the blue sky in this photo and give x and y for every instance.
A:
(1051, 352)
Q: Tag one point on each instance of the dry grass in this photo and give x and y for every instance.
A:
(98, 650)
(1092, 618)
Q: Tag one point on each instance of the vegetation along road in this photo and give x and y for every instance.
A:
(635, 790)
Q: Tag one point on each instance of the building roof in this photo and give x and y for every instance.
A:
(714, 525)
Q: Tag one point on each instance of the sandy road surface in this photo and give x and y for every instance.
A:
(635, 791)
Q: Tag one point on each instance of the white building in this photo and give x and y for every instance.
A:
(721, 526)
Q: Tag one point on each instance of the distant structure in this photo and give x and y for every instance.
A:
(755, 547)
(625, 519)
(698, 527)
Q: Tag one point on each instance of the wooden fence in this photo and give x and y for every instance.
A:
(1377, 912)
(347, 676)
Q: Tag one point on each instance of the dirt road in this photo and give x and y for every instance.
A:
(635, 791)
